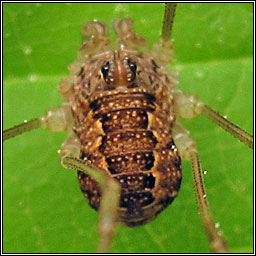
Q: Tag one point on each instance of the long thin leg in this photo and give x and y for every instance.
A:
(163, 49)
(168, 20)
(217, 242)
(233, 129)
(56, 119)
(108, 218)
(19, 129)
(188, 151)
(109, 203)
(188, 106)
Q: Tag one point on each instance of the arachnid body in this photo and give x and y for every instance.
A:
(169, 211)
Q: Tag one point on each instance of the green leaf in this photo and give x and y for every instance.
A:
(44, 211)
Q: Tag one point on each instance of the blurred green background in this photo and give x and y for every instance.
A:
(44, 210)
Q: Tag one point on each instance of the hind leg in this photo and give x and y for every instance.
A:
(188, 151)
(110, 188)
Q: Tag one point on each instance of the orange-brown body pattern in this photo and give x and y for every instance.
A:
(123, 109)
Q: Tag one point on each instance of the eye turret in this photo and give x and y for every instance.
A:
(119, 72)
(105, 70)
(133, 68)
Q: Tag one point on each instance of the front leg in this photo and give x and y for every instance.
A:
(108, 212)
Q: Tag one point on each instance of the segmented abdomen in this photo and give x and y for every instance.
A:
(127, 135)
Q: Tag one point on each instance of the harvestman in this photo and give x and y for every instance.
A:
(126, 103)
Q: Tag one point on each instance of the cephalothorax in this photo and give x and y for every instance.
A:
(121, 110)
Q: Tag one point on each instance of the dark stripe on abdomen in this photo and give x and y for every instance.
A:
(130, 162)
